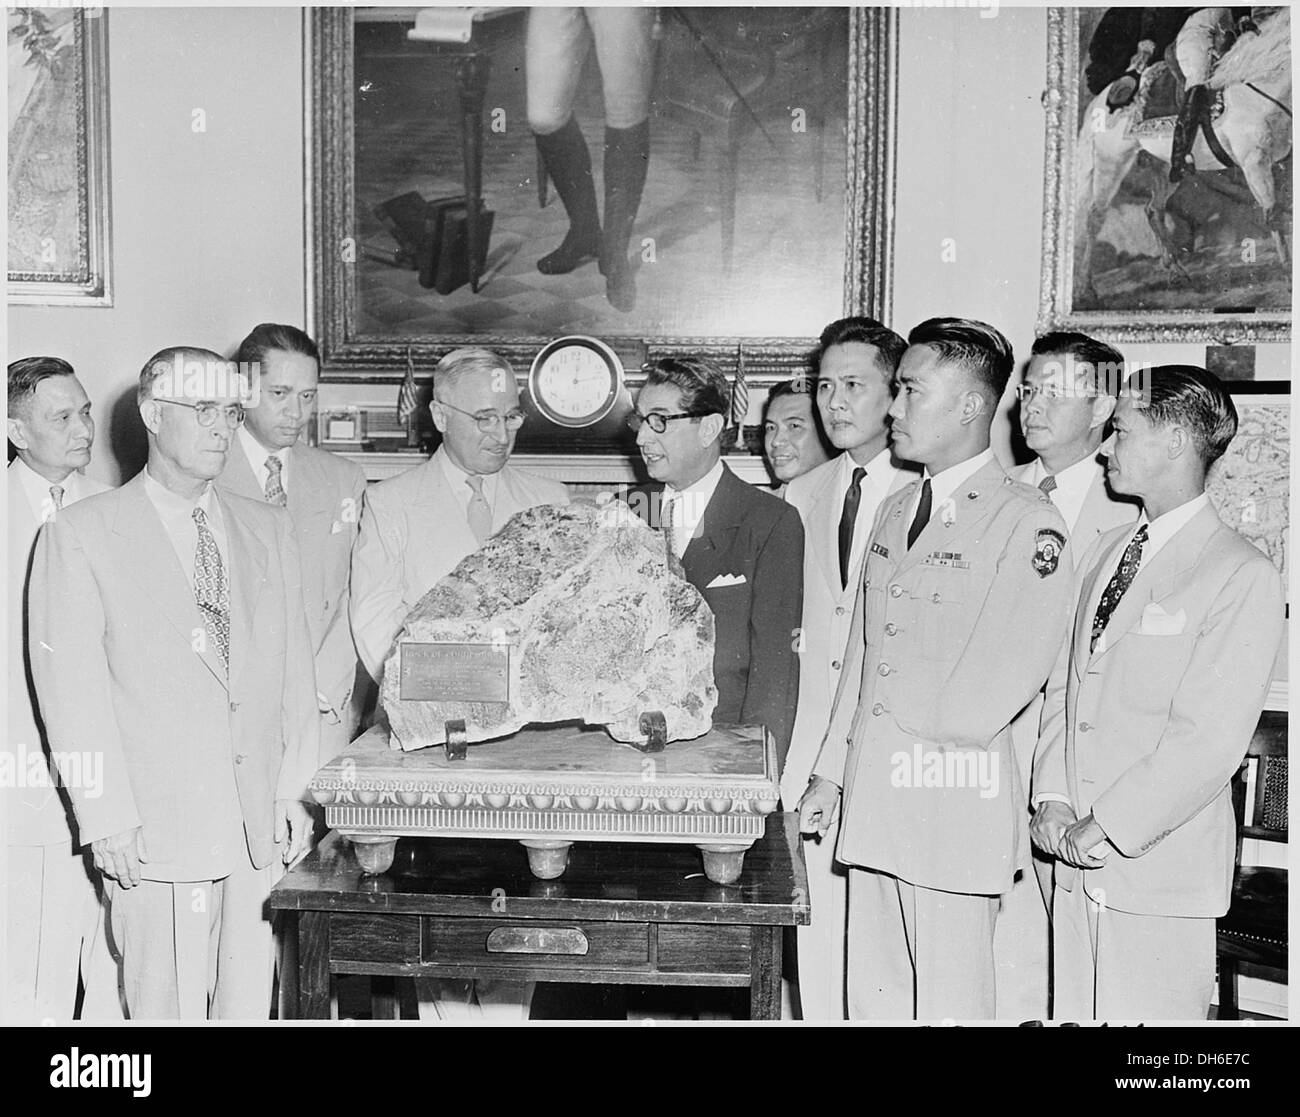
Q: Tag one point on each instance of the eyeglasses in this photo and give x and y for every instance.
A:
(657, 421)
(1051, 391)
(487, 420)
(206, 413)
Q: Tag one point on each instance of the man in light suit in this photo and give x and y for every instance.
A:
(1066, 399)
(417, 526)
(942, 661)
(1148, 714)
(324, 493)
(855, 365)
(56, 925)
(168, 637)
(740, 547)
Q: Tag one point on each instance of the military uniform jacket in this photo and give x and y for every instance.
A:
(1146, 732)
(950, 641)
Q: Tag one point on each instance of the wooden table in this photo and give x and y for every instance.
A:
(623, 914)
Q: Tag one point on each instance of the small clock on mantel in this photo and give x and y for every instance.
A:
(575, 381)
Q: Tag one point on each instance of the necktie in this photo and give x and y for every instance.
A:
(849, 517)
(923, 510)
(1119, 582)
(56, 501)
(211, 590)
(666, 510)
(478, 512)
(275, 493)
(1047, 484)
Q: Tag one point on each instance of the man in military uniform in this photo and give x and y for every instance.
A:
(962, 609)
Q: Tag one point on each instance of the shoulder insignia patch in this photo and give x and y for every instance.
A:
(1047, 551)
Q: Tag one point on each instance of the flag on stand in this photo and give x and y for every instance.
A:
(406, 397)
(739, 392)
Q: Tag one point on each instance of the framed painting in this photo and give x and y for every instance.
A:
(712, 180)
(58, 156)
(1168, 193)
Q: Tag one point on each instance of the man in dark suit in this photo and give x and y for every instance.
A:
(740, 547)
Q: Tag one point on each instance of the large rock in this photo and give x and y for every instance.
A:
(594, 624)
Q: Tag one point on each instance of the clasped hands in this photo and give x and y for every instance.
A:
(1059, 833)
(120, 855)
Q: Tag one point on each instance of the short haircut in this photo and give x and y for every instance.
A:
(26, 373)
(976, 346)
(795, 386)
(173, 360)
(459, 363)
(273, 335)
(1105, 360)
(864, 331)
(702, 383)
(1189, 397)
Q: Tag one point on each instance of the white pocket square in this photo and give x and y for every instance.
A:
(336, 527)
(1157, 622)
(726, 580)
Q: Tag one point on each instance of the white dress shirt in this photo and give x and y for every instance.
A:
(37, 490)
(177, 515)
(257, 456)
(458, 482)
(685, 507)
(946, 482)
(876, 485)
(1072, 486)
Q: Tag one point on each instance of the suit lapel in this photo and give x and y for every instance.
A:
(145, 550)
(439, 516)
(238, 476)
(710, 546)
(825, 540)
(246, 559)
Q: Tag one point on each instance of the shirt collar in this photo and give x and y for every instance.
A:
(1163, 528)
(168, 501)
(458, 479)
(703, 488)
(37, 489)
(256, 453)
(943, 484)
(876, 467)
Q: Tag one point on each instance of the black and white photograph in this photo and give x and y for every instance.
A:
(624, 515)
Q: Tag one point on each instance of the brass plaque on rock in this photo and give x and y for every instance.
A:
(455, 673)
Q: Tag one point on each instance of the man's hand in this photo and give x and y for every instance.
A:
(1078, 839)
(293, 821)
(819, 806)
(118, 857)
(1049, 825)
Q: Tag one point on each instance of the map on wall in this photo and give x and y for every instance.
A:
(1250, 484)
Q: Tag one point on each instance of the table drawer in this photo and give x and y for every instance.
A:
(703, 948)
(362, 937)
(526, 942)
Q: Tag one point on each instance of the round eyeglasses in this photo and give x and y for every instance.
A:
(487, 420)
(206, 413)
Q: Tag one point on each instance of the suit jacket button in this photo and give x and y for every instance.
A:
(839, 610)
(1084, 727)
(234, 706)
(935, 598)
(891, 629)
(877, 709)
(884, 669)
(866, 585)
(835, 664)
(895, 591)
(239, 759)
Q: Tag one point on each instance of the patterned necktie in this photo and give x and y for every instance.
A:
(1118, 584)
(211, 590)
(923, 510)
(275, 493)
(1047, 484)
(849, 517)
(56, 501)
(666, 510)
(478, 512)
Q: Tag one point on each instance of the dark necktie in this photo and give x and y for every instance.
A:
(211, 590)
(849, 517)
(1047, 484)
(1118, 584)
(275, 493)
(923, 510)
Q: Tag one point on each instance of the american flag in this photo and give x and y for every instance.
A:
(406, 397)
(739, 391)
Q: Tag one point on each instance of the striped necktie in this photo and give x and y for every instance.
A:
(1047, 484)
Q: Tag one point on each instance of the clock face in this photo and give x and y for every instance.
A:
(575, 381)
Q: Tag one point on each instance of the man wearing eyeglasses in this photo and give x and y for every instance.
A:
(168, 639)
(1067, 397)
(417, 526)
(742, 548)
(323, 493)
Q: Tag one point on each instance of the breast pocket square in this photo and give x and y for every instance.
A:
(726, 580)
(1157, 622)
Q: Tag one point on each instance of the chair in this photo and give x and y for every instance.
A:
(1252, 936)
